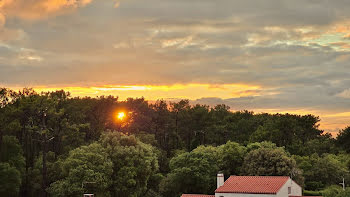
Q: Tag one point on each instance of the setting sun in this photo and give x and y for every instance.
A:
(121, 115)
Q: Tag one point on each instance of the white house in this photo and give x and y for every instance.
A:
(254, 186)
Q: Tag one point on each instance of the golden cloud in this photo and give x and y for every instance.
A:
(151, 92)
(36, 9)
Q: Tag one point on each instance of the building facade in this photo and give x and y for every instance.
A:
(254, 186)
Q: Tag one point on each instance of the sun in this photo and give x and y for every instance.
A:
(121, 115)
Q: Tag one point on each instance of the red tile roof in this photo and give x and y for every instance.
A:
(253, 184)
(196, 195)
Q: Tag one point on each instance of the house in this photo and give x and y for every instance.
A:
(254, 186)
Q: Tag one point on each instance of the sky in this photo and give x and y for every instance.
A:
(275, 56)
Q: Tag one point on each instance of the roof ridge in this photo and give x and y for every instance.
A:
(244, 184)
(259, 176)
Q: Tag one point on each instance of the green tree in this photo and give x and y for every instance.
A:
(85, 166)
(133, 164)
(12, 153)
(336, 191)
(271, 162)
(322, 171)
(218, 132)
(343, 139)
(7, 97)
(231, 157)
(181, 117)
(10, 180)
(11, 166)
(320, 145)
(162, 125)
(192, 172)
(241, 125)
(258, 145)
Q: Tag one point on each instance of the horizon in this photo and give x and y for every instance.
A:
(322, 124)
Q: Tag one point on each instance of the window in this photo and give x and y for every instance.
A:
(289, 190)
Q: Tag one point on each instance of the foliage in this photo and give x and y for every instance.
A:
(133, 164)
(231, 157)
(11, 166)
(343, 139)
(271, 162)
(85, 166)
(312, 193)
(192, 172)
(336, 191)
(12, 153)
(173, 147)
(322, 171)
(10, 180)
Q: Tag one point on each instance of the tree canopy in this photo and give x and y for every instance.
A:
(58, 145)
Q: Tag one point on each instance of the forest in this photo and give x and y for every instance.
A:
(53, 144)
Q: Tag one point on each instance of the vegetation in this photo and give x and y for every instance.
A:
(52, 144)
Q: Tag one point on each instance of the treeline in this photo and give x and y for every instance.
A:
(55, 145)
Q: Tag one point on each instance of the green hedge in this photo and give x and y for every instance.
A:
(312, 193)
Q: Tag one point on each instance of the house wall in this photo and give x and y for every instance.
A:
(296, 189)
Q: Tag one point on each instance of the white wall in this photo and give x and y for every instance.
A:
(296, 189)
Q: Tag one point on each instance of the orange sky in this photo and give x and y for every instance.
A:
(330, 121)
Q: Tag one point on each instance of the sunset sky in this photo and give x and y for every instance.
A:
(261, 55)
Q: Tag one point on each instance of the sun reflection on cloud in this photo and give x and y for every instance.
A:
(154, 92)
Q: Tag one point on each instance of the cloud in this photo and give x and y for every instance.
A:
(36, 9)
(2, 20)
(296, 52)
(117, 4)
(344, 94)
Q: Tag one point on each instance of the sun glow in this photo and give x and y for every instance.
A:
(154, 92)
(121, 115)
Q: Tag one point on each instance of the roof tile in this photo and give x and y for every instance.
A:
(196, 195)
(253, 184)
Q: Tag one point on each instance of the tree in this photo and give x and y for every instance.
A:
(241, 125)
(12, 153)
(133, 164)
(181, 117)
(343, 139)
(11, 166)
(217, 129)
(258, 145)
(231, 157)
(85, 166)
(336, 191)
(162, 124)
(6, 97)
(192, 172)
(322, 171)
(320, 145)
(10, 180)
(271, 162)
